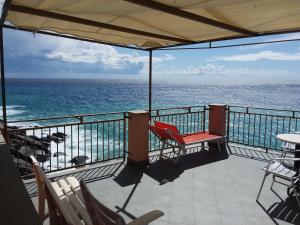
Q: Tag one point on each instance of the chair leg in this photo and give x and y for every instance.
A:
(218, 143)
(296, 195)
(161, 151)
(273, 180)
(261, 186)
(179, 154)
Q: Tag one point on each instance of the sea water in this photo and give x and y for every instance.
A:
(40, 98)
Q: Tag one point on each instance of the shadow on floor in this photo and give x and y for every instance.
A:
(165, 171)
(88, 175)
(129, 175)
(252, 152)
(286, 210)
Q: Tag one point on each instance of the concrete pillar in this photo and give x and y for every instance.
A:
(138, 138)
(217, 122)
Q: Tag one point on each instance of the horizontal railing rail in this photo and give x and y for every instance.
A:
(258, 127)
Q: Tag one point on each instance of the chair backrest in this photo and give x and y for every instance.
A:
(167, 131)
(166, 126)
(39, 181)
(99, 213)
(60, 211)
(160, 132)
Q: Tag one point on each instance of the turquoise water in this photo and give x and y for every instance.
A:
(37, 98)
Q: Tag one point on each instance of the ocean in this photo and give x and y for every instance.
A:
(41, 98)
(36, 98)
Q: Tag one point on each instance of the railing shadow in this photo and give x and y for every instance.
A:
(88, 175)
(252, 152)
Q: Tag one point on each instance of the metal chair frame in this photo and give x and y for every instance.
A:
(282, 172)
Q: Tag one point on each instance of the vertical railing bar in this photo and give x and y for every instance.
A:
(71, 141)
(43, 150)
(233, 127)
(244, 123)
(65, 154)
(249, 119)
(259, 130)
(290, 120)
(97, 141)
(49, 132)
(84, 137)
(124, 136)
(114, 137)
(119, 138)
(57, 140)
(204, 120)
(271, 132)
(78, 141)
(108, 143)
(254, 128)
(276, 142)
(265, 133)
(91, 142)
(228, 125)
(103, 142)
(238, 128)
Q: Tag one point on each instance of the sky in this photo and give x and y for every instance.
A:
(29, 55)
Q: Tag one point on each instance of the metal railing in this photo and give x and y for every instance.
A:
(91, 138)
(187, 119)
(258, 127)
(67, 145)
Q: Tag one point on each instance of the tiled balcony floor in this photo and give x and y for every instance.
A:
(204, 188)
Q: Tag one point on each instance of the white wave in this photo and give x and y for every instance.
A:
(12, 110)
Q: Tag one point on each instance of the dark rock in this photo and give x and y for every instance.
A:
(12, 127)
(24, 166)
(31, 142)
(48, 139)
(55, 154)
(59, 135)
(78, 160)
(41, 155)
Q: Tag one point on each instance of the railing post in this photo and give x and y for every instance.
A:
(217, 123)
(124, 135)
(138, 138)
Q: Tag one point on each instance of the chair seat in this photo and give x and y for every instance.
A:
(279, 169)
(199, 137)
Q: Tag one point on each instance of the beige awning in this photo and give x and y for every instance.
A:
(152, 24)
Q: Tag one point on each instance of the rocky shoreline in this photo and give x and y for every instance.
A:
(22, 145)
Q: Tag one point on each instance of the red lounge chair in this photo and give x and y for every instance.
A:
(168, 132)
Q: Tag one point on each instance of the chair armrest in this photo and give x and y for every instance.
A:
(288, 159)
(147, 218)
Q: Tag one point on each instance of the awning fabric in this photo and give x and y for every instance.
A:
(256, 16)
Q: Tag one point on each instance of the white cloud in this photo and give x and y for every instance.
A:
(72, 51)
(291, 36)
(263, 55)
(221, 70)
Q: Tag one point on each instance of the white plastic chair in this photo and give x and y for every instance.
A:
(278, 169)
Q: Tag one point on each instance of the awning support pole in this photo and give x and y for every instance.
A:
(150, 81)
(3, 86)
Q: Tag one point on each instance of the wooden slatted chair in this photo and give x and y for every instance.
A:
(68, 191)
(60, 209)
(169, 132)
(101, 215)
(41, 190)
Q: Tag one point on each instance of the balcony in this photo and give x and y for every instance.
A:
(205, 187)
